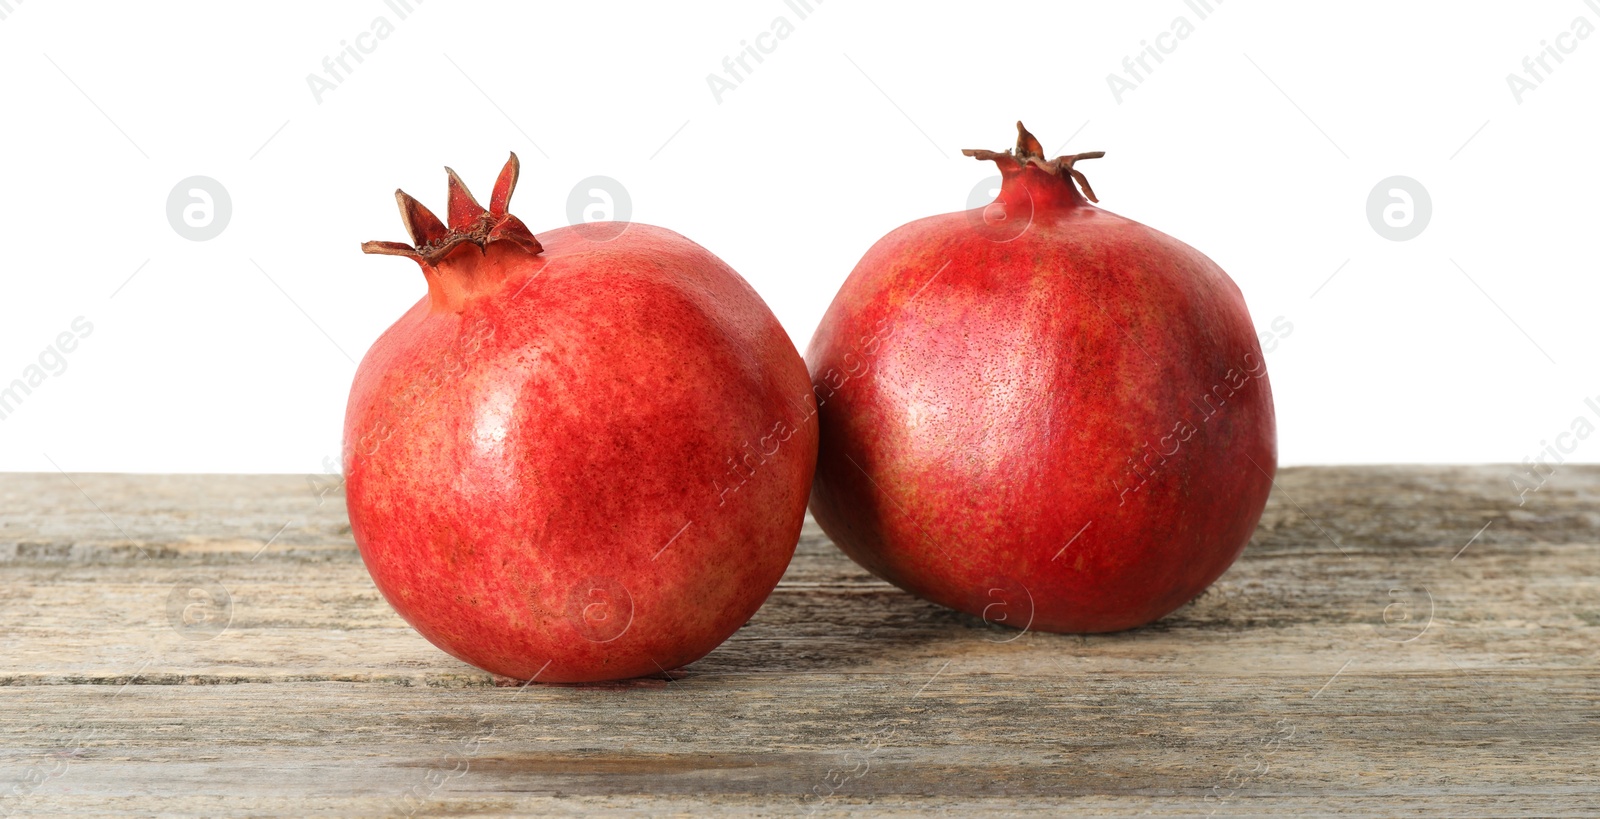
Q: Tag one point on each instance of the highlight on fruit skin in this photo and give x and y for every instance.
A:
(470, 223)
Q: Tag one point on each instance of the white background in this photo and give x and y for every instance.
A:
(1257, 140)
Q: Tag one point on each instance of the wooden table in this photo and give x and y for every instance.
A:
(1395, 641)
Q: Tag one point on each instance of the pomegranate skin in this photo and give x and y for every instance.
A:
(540, 455)
(1059, 420)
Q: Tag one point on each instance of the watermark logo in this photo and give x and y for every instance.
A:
(199, 208)
(987, 190)
(599, 208)
(993, 219)
(1399, 208)
(600, 608)
(1008, 603)
(199, 608)
(1407, 614)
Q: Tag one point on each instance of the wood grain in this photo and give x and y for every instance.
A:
(1357, 661)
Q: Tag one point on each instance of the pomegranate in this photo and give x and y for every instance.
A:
(581, 456)
(1040, 412)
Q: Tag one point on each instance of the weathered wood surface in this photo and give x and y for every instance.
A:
(1315, 678)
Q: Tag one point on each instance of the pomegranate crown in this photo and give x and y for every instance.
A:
(1030, 152)
(470, 222)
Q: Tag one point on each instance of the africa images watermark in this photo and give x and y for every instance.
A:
(336, 67)
(857, 764)
(43, 772)
(1165, 43)
(1537, 469)
(52, 362)
(737, 69)
(1209, 403)
(1536, 67)
(414, 396)
(752, 456)
(1258, 759)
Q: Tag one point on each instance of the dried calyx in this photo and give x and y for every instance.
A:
(470, 223)
(1030, 152)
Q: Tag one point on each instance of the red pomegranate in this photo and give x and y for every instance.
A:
(1040, 412)
(583, 455)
